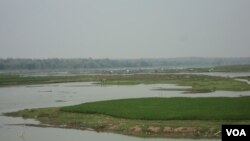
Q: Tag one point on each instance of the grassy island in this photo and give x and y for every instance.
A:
(149, 117)
(169, 108)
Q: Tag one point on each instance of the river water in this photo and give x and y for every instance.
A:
(15, 98)
(222, 74)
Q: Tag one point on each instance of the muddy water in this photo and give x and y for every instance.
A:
(48, 95)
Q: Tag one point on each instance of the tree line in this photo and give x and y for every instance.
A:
(56, 63)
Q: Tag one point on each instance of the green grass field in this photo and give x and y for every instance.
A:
(170, 108)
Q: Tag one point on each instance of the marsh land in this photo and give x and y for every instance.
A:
(196, 117)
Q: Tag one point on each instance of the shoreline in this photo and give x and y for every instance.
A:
(138, 128)
(197, 127)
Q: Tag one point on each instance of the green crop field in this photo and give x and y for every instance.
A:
(170, 108)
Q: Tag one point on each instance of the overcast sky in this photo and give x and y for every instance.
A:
(124, 28)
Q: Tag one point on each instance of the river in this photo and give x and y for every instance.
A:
(13, 98)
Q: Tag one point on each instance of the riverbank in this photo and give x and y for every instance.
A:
(148, 117)
(198, 83)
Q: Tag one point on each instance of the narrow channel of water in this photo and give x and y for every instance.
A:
(222, 74)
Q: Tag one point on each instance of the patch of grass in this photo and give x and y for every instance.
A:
(169, 108)
(232, 68)
(6, 80)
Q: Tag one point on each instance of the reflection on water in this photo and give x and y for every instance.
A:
(20, 97)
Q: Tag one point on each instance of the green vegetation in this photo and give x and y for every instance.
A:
(170, 108)
(6, 80)
(199, 83)
(232, 68)
(149, 117)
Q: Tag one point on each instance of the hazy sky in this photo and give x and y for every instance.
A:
(124, 28)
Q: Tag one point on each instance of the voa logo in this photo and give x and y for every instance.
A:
(236, 132)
